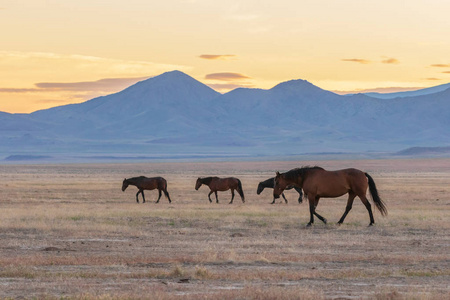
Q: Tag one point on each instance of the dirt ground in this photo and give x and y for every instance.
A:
(69, 232)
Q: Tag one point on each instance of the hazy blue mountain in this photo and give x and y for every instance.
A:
(173, 114)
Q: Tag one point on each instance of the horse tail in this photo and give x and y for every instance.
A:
(164, 188)
(240, 190)
(375, 197)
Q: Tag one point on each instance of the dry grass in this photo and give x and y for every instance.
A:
(68, 231)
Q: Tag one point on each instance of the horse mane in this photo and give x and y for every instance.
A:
(133, 180)
(206, 180)
(299, 172)
(268, 183)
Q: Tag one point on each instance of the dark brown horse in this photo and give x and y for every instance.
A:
(269, 183)
(221, 184)
(144, 183)
(318, 183)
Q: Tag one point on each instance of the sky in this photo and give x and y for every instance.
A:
(56, 52)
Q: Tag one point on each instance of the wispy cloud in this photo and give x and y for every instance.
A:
(228, 86)
(446, 72)
(226, 76)
(390, 61)
(381, 90)
(357, 60)
(432, 78)
(106, 84)
(441, 65)
(217, 56)
(18, 90)
(101, 85)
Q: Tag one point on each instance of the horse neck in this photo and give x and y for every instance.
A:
(133, 181)
(269, 183)
(206, 180)
(298, 177)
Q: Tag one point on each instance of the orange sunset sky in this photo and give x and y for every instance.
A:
(55, 52)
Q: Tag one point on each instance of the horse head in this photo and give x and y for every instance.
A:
(198, 184)
(279, 186)
(124, 184)
(260, 188)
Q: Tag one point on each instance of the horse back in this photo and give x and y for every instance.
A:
(151, 183)
(335, 183)
(223, 184)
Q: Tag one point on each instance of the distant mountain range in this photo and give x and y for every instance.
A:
(174, 116)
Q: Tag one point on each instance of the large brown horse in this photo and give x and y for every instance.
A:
(318, 183)
(269, 183)
(145, 183)
(221, 184)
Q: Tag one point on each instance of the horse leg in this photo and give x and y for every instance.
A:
(300, 194)
(157, 201)
(167, 195)
(351, 197)
(137, 194)
(209, 196)
(317, 215)
(143, 197)
(273, 202)
(232, 195)
(285, 200)
(312, 201)
(217, 199)
(369, 208)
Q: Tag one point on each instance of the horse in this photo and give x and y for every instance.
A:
(318, 183)
(221, 184)
(145, 183)
(269, 183)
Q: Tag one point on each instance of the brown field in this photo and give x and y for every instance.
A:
(69, 232)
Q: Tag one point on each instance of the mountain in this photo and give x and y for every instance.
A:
(172, 100)
(174, 115)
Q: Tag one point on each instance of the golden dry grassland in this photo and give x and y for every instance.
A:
(69, 232)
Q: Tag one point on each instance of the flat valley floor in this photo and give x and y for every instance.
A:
(68, 232)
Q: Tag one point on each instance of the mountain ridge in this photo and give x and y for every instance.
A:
(175, 114)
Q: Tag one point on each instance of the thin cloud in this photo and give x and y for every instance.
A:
(446, 72)
(106, 84)
(217, 56)
(76, 91)
(228, 86)
(381, 90)
(18, 90)
(432, 78)
(357, 60)
(226, 76)
(390, 61)
(441, 65)
(50, 101)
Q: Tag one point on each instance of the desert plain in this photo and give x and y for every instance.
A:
(67, 231)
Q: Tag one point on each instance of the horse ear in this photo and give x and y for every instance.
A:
(278, 174)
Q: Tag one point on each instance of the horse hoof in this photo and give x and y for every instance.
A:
(371, 224)
(308, 225)
(325, 221)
